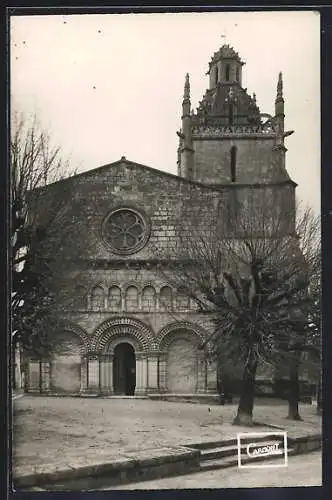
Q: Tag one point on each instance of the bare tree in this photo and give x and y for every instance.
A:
(53, 246)
(249, 265)
(304, 347)
(35, 163)
(315, 326)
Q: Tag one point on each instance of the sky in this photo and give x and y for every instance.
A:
(111, 85)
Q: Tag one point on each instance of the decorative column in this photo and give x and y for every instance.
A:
(93, 372)
(141, 373)
(153, 382)
(139, 299)
(106, 373)
(162, 366)
(84, 373)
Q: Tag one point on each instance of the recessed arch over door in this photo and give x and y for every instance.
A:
(182, 363)
(123, 330)
(123, 326)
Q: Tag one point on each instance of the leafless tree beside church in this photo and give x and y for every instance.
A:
(251, 270)
(34, 164)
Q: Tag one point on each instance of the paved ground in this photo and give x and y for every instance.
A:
(74, 431)
(302, 470)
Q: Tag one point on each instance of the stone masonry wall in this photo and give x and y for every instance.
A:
(150, 304)
(104, 286)
(256, 161)
(160, 197)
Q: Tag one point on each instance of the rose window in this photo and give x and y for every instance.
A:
(125, 231)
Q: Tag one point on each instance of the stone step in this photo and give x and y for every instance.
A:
(226, 451)
(233, 442)
(124, 397)
(232, 461)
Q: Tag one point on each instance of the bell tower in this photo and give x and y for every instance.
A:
(225, 67)
(227, 140)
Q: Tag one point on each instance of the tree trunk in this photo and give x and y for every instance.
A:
(294, 390)
(246, 403)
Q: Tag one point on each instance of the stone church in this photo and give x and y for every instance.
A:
(126, 330)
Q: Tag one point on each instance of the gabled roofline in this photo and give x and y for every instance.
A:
(214, 188)
(131, 164)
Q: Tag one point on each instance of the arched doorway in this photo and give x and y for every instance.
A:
(124, 369)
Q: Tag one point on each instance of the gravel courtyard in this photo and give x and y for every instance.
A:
(49, 430)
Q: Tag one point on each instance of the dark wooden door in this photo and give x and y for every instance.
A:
(124, 373)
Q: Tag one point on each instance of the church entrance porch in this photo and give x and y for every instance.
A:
(124, 369)
(125, 360)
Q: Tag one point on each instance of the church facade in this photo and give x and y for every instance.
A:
(125, 329)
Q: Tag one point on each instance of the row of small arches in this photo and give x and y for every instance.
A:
(131, 299)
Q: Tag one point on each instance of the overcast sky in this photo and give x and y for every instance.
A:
(108, 86)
